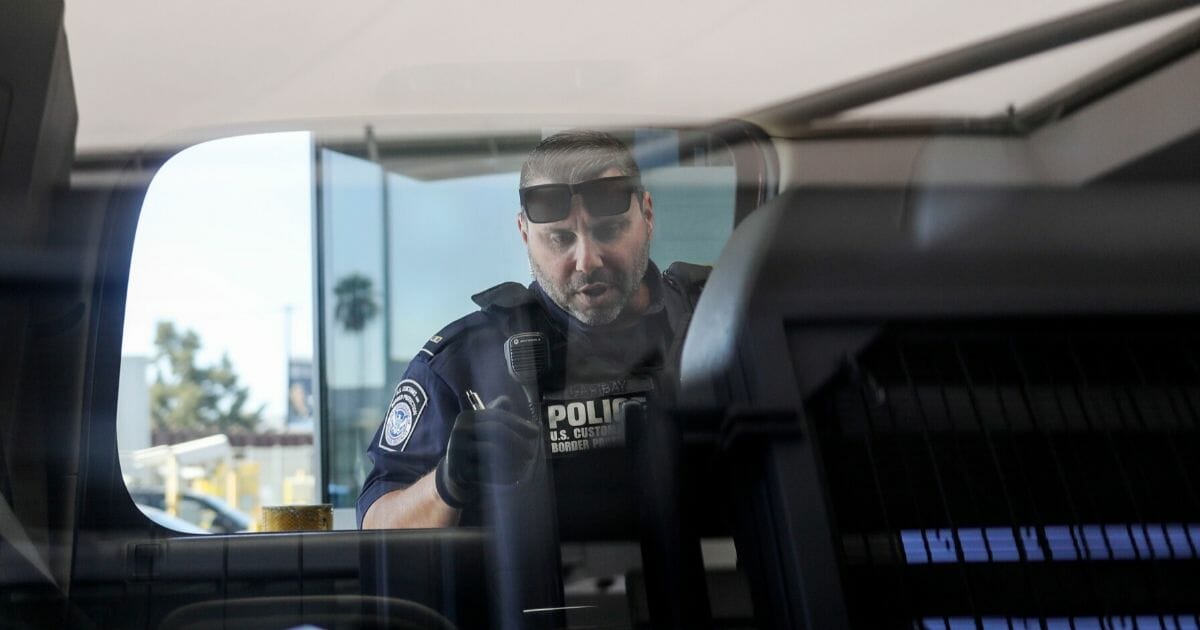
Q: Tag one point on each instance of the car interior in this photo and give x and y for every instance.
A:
(945, 372)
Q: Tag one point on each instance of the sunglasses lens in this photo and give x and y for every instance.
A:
(606, 197)
(601, 197)
(546, 204)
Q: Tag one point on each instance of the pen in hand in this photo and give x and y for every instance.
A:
(475, 400)
(500, 403)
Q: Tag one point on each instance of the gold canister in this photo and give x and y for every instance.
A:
(296, 518)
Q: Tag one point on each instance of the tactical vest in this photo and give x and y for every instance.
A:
(513, 307)
(584, 415)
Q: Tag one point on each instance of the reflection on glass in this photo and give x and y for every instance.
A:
(352, 253)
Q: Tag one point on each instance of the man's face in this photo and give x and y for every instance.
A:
(593, 266)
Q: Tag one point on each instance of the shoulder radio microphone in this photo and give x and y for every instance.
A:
(528, 356)
(529, 569)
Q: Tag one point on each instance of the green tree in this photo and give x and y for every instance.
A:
(189, 397)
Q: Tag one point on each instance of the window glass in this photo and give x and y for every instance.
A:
(218, 333)
(261, 360)
(221, 396)
(693, 212)
(192, 511)
(451, 233)
(352, 240)
(450, 239)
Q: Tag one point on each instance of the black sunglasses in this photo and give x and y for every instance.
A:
(603, 197)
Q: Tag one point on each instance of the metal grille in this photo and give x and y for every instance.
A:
(1018, 472)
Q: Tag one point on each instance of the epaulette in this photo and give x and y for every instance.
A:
(688, 278)
(513, 308)
(504, 295)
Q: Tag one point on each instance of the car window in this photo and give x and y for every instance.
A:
(222, 394)
(946, 379)
(285, 288)
(216, 360)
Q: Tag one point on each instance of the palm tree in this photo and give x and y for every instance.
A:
(356, 305)
(354, 308)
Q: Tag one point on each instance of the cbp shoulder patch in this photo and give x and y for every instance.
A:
(407, 404)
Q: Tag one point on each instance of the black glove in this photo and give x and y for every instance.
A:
(491, 446)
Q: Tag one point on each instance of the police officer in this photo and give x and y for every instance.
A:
(614, 325)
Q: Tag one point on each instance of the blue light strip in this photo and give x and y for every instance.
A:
(1141, 622)
(1062, 543)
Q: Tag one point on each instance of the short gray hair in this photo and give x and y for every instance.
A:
(573, 156)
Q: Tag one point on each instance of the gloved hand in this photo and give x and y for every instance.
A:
(492, 446)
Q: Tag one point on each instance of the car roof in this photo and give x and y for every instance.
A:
(491, 65)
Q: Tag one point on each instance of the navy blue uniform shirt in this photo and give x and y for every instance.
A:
(595, 372)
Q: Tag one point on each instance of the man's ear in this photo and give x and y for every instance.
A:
(523, 227)
(648, 210)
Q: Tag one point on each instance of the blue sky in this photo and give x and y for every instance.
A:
(223, 246)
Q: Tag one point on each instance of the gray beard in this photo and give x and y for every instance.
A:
(627, 286)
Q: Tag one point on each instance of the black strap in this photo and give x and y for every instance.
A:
(684, 283)
(688, 278)
(513, 308)
(504, 295)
